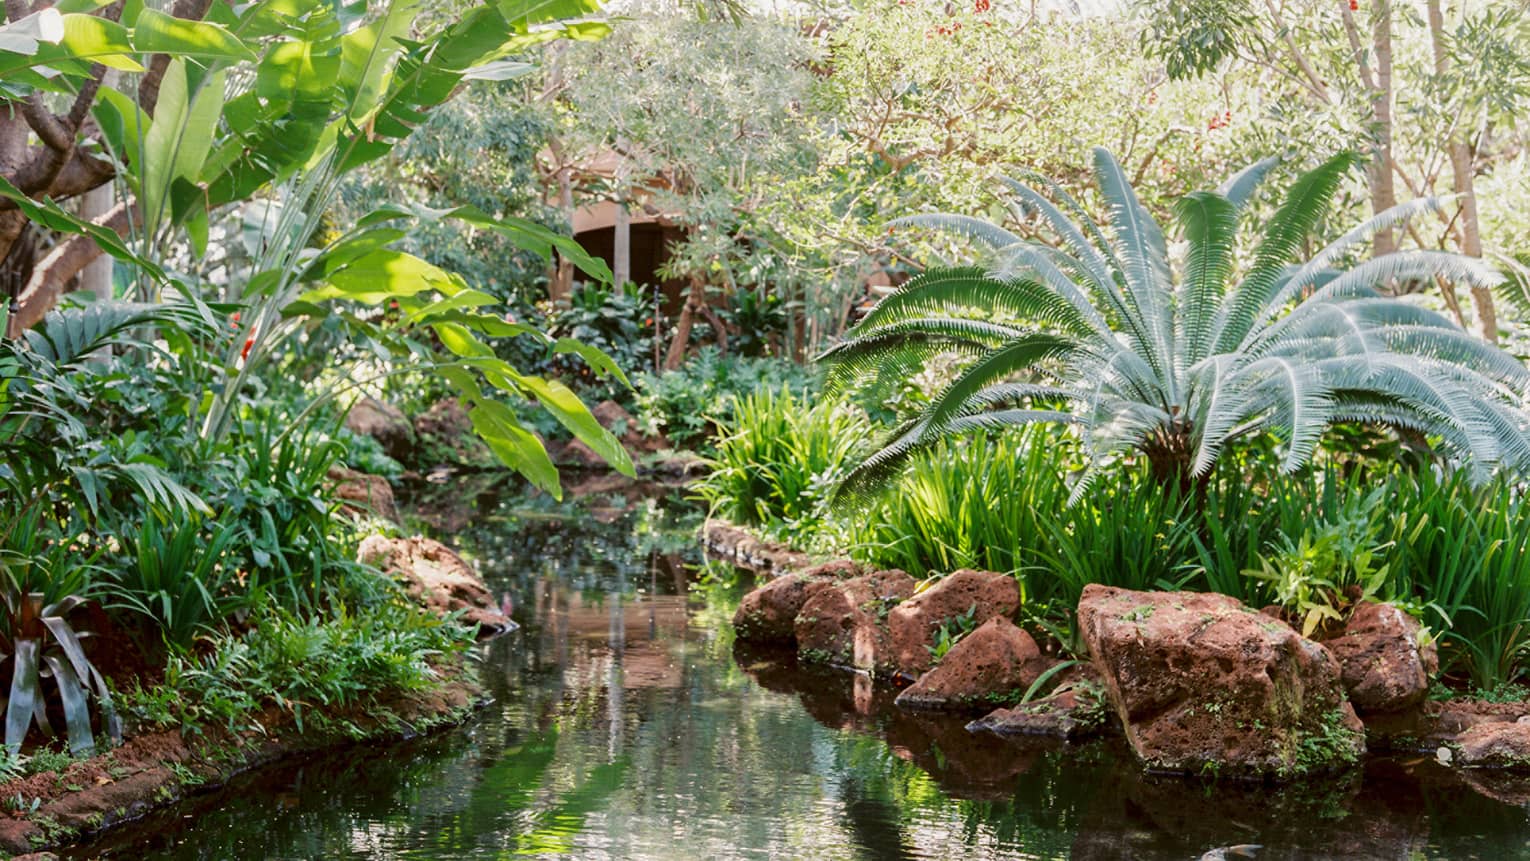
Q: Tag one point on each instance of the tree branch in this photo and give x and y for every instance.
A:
(67, 258)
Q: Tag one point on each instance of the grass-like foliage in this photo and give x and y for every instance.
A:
(1452, 551)
(1173, 357)
(782, 458)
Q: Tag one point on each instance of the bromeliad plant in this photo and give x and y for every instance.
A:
(1173, 357)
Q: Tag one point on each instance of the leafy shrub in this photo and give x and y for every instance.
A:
(364, 453)
(1101, 332)
(178, 577)
(618, 321)
(690, 404)
(329, 661)
(781, 458)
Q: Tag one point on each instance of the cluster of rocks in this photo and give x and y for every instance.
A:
(1197, 683)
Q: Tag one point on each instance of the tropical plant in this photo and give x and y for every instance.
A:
(1174, 357)
(176, 578)
(41, 586)
(688, 404)
(1328, 566)
(781, 458)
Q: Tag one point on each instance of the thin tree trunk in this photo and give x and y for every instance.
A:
(1379, 85)
(1463, 184)
(621, 245)
(96, 277)
(561, 289)
(1383, 194)
(694, 295)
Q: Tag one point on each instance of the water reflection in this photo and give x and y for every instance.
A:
(626, 725)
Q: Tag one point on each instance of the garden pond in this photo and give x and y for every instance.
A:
(624, 724)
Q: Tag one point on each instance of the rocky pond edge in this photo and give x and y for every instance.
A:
(1196, 682)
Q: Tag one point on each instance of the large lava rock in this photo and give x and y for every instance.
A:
(769, 613)
(437, 579)
(913, 623)
(1383, 666)
(847, 623)
(1494, 745)
(363, 493)
(1202, 683)
(996, 663)
(385, 423)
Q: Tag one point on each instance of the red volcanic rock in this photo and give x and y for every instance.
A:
(385, 423)
(437, 579)
(913, 623)
(1494, 745)
(1069, 714)
(847, 622)
(1383, 666)
(997, 662)
(363, 493)
(1201, 682)
(769, 613)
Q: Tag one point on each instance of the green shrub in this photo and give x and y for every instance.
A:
(780, 460)
(328, 661)
(690, 404)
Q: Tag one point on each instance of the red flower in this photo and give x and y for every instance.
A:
(248, 343)
(1354, 5)
(981, 6)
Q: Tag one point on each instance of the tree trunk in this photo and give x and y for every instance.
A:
(96, 276)
(694, 296)
(1463, 183)
(621, 244)
(1383, 194)
(1169, 451)
(560, 287)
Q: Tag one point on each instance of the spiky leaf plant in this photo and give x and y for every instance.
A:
(1174, 356)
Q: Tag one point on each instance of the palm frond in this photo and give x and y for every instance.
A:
(1145, 259)
(1210, 223)
(1015, 356)
(1304, 206)
(955, 291)
(1241, 186)
(968, 227)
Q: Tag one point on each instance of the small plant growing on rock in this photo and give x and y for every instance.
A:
(951, 631)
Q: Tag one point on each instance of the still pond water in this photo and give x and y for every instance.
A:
(624, 725)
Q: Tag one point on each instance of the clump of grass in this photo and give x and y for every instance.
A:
(781, 458)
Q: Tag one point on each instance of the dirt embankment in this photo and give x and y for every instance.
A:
(156, 768)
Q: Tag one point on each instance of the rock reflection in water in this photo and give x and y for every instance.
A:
(1382, 811)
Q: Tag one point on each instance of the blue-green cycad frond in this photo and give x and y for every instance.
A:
(1099, 332)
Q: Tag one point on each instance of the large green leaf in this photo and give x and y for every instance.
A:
(54, 217)
(384, 274)
(514, 445)
(155, 32)
(25, 699)
(367, 55)
(292, 74)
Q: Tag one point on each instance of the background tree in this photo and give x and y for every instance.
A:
(1430, 91)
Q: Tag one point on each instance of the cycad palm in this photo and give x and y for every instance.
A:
(1102, 332)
